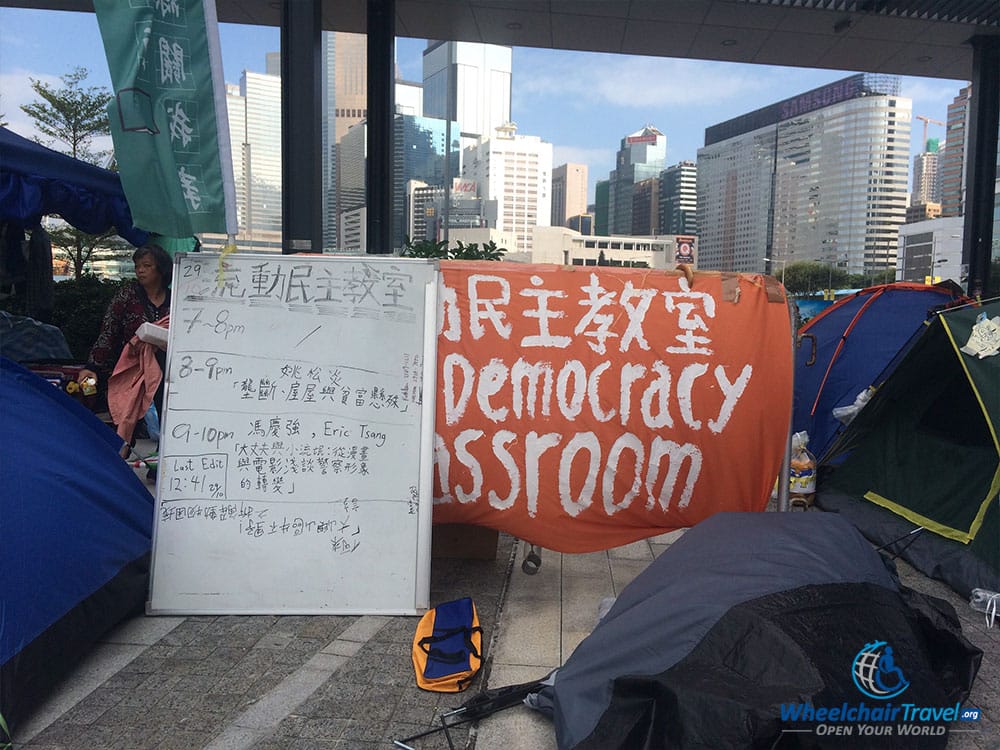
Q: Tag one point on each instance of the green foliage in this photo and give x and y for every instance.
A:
(862, 280)
(74, 114)
(80, 248)
(808, 276)
(472, 251)
(80, 305)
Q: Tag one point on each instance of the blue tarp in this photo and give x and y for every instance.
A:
(76, 528)
(849, 345)
(36, 181)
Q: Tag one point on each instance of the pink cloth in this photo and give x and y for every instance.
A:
(133, 383)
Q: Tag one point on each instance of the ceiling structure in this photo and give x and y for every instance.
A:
(926, 38)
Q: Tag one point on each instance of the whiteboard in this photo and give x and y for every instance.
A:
(295, 444)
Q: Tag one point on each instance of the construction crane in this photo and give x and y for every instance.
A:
(926, 120)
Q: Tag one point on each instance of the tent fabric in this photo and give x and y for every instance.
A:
(851, 345)
(742, 614)
(77, 529)
(926, 446)
(25, 339)
(36, 181)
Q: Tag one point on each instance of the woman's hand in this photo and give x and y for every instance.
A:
(85, 375)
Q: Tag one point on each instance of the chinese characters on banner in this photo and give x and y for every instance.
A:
(167, 117)
(581, 409)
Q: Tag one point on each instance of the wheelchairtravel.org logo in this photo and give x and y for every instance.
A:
(877, 676)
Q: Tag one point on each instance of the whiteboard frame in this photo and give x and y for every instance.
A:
(425, 480)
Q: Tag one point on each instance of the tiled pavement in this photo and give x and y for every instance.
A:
(338, 683)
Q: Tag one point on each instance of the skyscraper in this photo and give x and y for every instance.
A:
(679, 199)
(420, 150)
(255, 133)
(516, 172)
(468, 83)
(926, 175)
(602, 192)
(569, 192)
(821, 176)
(646, 207)
(953, 160)
(344, 91)
(352, 155)
(421, 153)
(642, 155)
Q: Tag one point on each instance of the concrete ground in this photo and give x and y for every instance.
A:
(339, 683)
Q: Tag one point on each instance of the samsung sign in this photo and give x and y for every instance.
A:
(839, 91)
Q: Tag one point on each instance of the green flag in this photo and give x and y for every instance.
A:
(168, 120)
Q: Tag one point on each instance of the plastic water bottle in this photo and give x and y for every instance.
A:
(984, 600)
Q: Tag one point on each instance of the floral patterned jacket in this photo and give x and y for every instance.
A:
(128, 310)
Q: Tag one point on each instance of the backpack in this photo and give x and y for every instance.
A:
(447, 647)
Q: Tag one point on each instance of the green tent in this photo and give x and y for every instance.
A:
(925, 447)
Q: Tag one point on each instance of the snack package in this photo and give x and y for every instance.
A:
(802, 470)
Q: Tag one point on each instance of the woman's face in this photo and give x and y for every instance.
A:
(146, 271)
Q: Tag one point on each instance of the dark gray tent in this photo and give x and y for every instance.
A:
(748, 625)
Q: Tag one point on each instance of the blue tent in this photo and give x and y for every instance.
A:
(76, 528)
(36, 181)
(851, 345)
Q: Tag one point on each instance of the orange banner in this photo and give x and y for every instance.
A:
(581, 408)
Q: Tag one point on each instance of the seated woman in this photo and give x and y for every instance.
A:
(145, 299)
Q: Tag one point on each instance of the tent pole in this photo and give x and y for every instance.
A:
(784, 476)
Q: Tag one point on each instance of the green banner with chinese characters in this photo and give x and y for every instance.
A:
(168, 126)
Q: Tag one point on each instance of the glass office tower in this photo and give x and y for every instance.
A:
(822, 176)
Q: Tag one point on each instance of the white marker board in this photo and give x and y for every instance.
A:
(295, 448)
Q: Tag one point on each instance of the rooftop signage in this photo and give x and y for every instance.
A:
(851, 87)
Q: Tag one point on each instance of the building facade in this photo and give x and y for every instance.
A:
(254, 111)
(646, 207)
(420, 157)
(953, 159)
(563, 246)
(427, 218)
(823, 176)
(926, 175)
(642, 155)
(569, 192)
(468, 83)
(352, 155)
(516, 172)
(679, 199)
(931, 251)
(344, 92)
(602, 191)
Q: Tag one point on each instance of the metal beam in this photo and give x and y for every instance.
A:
(381, 110)
(981, 164)
(301, 142)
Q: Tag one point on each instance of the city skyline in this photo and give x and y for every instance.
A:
(581, 103)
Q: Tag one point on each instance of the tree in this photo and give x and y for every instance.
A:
(80, 248)
(74, 114)
(803, 277)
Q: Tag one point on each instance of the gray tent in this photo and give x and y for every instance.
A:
(743, 629)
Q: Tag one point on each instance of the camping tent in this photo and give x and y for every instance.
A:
(77, 527)
(743, 625)
(846, 347)
(36, 181)
(925, 449)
